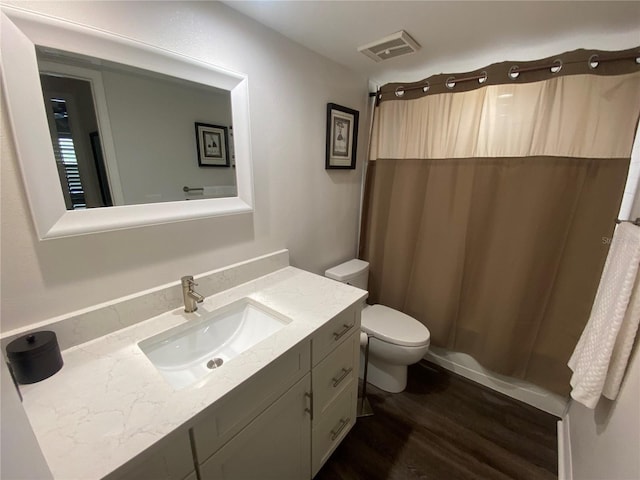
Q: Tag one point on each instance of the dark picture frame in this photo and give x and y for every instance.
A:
(212, 142)
(342, 137)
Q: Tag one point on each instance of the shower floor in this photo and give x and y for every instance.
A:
(442, 427)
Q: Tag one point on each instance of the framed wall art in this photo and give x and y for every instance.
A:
(212, 142)
(342, 137)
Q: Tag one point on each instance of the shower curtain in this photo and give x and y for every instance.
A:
(490, 201)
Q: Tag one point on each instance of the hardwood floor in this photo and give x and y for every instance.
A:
(446, 427)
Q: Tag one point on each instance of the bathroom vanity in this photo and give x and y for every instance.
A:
(276, 410)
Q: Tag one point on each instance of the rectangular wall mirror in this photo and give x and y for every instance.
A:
(126, 134)
(122, 135)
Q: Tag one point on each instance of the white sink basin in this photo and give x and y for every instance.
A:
(187, 353)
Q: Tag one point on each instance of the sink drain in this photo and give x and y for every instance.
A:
(215, 363)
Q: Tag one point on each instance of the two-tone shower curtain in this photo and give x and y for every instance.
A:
(490, 201)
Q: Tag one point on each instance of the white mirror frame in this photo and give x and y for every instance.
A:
(20, 31)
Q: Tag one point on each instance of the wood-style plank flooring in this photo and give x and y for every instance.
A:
(446, 427)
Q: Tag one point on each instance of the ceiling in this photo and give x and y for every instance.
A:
(455, 36)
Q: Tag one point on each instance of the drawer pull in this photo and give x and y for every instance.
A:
(340, 334)
(343, 424)
(345, 373)
(310, 409)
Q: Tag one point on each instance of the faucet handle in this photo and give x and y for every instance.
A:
(187, 281)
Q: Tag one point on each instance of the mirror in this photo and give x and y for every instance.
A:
(201, 155)
(122, 135)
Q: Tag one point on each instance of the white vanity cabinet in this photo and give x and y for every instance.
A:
(286, 422)
(282, 423)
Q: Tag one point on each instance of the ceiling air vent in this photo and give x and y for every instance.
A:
(399, 43)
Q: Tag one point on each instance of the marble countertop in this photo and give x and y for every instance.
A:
(109, 403)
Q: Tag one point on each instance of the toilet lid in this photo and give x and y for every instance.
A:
(393, 326)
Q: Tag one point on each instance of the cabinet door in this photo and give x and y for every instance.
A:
(276, 445)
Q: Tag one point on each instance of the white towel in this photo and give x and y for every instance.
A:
(591, 361)
(623, 346)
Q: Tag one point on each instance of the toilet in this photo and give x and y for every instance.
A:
(396, 340)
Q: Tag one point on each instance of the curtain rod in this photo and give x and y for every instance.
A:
(515, 70)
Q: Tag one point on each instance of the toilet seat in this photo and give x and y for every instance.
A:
(394, 327)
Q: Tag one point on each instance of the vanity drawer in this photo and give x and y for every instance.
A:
(333, 426)
(232, 413)
(334, 374)
(335, 331)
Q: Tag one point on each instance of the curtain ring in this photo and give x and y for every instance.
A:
(399, 91)
(450, 83)
(426, 87)
(557, 66)
(483, 78)
(513, 72)
(593, 61)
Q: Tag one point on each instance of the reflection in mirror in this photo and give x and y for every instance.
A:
(122, 135)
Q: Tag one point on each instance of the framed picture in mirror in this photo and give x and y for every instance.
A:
(342, 137)
(212, 143)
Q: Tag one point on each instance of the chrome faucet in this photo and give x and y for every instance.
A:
(191, 297)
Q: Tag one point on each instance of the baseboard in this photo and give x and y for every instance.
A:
(565, 468)
(526, 392)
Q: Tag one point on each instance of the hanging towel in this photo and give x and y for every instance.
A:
(591, 361)
(623, 346)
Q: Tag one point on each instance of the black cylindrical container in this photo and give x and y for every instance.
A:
(35, 356)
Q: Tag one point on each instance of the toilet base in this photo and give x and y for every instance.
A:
(387, 377)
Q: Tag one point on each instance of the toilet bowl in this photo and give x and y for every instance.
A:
(396, 340)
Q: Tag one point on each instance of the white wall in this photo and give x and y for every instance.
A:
(153, 127)
(627, 208)
(298, 204)
(605, 442)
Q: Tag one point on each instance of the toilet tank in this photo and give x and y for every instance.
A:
(354, 272)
